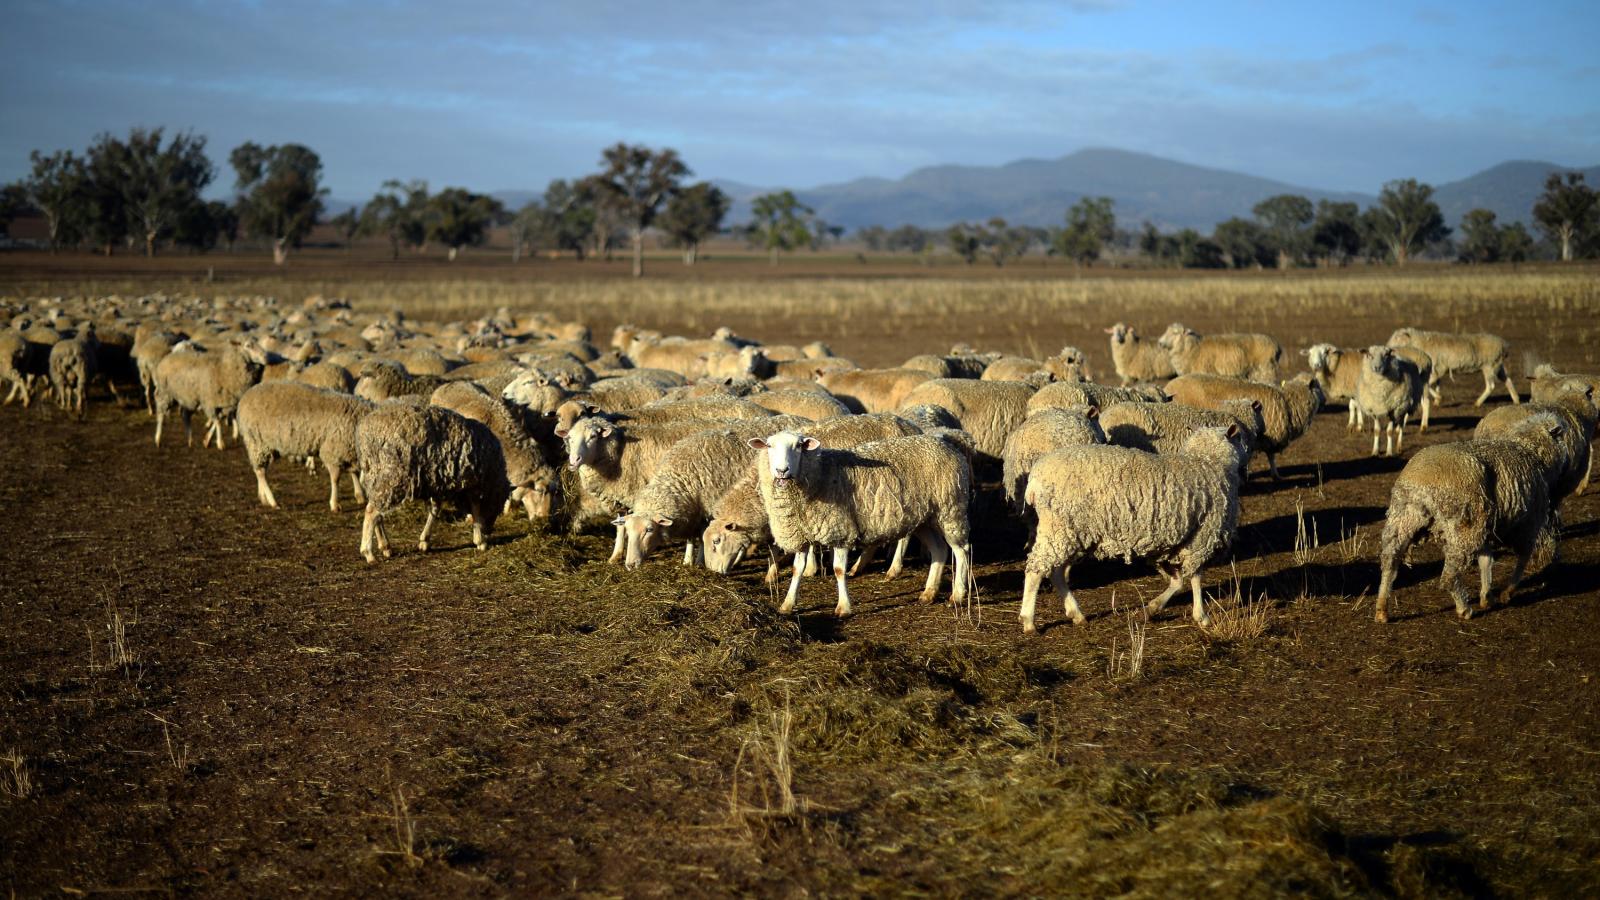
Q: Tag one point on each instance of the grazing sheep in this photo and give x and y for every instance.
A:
(738, 518)
(299, 422)
(811, 367)
(1014, 368)
(194, 379)
(815, 407)
(1177, 511)
(1042, 432)
(534, 482)
(873, 390)
(14, 365)
(1252, 356)
(1163, 427)
(1452, 353)
(687, 358)
(1389, 391)
(1474, 496)
(1279, 424)
(1574, 407)
(1136, 360)
(381, 380)
(987, 410)
(1338, 370)
(534, 392)
(407, 451)
(691, 477)
(148, 351)
(747, 361)
(1077, 395)
(1548, 383)
(72, 366)
(879, 491)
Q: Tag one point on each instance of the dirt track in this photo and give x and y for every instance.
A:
(555, 725)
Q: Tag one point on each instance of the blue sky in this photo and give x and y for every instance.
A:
(499, 96)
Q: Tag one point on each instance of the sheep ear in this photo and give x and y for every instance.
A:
(550, 414)
(563, 432)
(810, 443)
(620, 521)
(729, 526)
(757, 444)
(608, 431)
(1233, 431)
(663, 521)
(1255, 405)
(591, 410)
(1093, 412)
(728, 381)
(1111, 331)
(517, 492)
(1557, 430)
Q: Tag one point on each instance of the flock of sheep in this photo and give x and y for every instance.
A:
(731, 447)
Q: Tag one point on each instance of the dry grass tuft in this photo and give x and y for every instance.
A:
(1239, 619)
(15, 779)
(1128, 664)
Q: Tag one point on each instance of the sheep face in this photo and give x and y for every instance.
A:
(1322, 357)
(570, 411)
(538, 498)
(1120, 333)
(1379, 359)
(586, 441)
(1174, 333)
(725, 545)
(786, 454)
(645, 535)
(1401, 338)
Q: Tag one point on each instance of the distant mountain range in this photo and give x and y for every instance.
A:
(1145, 188)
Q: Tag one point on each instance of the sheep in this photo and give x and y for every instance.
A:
(815, 407)
(1474, 496)
(301, 422)
(193, 379)
(738, 518)
(534, 392)
(690, 478)
(1574, 407)
(72, 366)
(421, 361)
(1452, 353)
(1076, 395)
(873, 390)
(626, 392)
(1163, 427)
(929, 416)
(1071, 364)
(987, 410)
(1430, 389)
(1338, 370)
(1135, 360)
(534, 482)
(14, 365)
(409, 451)
(381, 379)
(327, 376)
(148, 351)
(699, 409)
(816, 350)
(1040, 433)
(1389, 391)
(1013, 368)
(687, 358)
(1279, 424)
(1548, 383)
(811, 367)
(1306, 398)
(747, 360)
(875, 492)
(1178, 511)
(1252, 356)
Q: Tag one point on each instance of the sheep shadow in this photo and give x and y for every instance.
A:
(1555, 582)
(1357, 467)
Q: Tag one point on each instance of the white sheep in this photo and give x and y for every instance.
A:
(299, 422)
(1389, 390)
(1042, 432)
(873, 390)
(409, 451)
(72, 366)
(1078, 395)
(1452, 353)
(1574, 407)
(918, 485)
(987, 410)
(1474, 496)
(1137, 360)
(1548, 383)
(194, 379)
(1177, 511)
(1282, 421)
(1338, 370)
(1164, 427)
(1252, 356)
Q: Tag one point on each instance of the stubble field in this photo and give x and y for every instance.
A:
(200, 695)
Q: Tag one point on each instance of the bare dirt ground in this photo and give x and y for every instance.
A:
(210, 697)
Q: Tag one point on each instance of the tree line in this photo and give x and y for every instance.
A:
(144, 192)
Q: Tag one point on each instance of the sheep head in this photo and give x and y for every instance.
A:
(786, 454)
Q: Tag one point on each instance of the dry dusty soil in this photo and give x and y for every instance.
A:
(202, 696)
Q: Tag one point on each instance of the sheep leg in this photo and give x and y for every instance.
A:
(1516, 574)
(1350, 423)
(1174, 585)
(1488, 385)
(161, 418)
(1427, 409)
(1511, 387)
(264, 490)
(427, 526)
(1588, 469)
(868, 554)
(841, 559)
(939, 551)
(368, 526)
(1272, 466)
(688, 554)
(1375, 429)
(794, 583)
(1030, 599)
(1485, 578)
(619, 545)
(813, 560)
(334, 472)
(355, 485)
(772, 564)
(480, 526)
(217, 424)
(963, 573)
(1069, 603)
(1456, 558)
(897, 564)
(1200, 617)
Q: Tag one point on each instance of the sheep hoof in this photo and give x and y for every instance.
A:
(841, 612)
(1203, 621)
(332, 506)
(1027, 626)
(1464, 612)
(1080, 620)
(1382, 618)
(926, 597)
(370, 558)
(387, 553)
(422, 546)
(786, 608)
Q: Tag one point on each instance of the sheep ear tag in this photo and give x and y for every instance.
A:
(810, 443)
